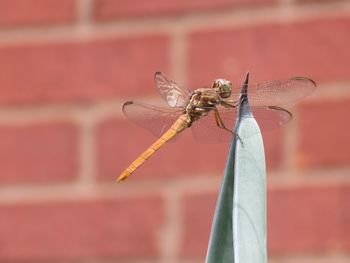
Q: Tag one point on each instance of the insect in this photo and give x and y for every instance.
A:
(208, 111)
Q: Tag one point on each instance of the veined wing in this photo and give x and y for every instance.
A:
(277, 92)
(268, 118)
(170, 91)
(153, 118)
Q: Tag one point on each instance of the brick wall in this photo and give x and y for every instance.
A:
(67, 66)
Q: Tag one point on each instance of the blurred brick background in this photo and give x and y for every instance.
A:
(67, 66)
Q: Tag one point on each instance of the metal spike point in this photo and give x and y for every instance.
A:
(244, 89)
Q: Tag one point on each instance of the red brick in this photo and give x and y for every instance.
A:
(109, 9)
(345, 234)
(29, 12)
(42, 152)
(273, 143)
(305, 219)
(301, 220)
(198, 212)
(81, 229)
(71, 71)
(317, 48)
(120, 143)
(324, 138)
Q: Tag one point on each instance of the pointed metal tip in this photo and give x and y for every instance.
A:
(246, 78)
(244, 89)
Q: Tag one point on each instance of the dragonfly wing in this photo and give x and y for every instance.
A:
(268, 118)
(206, 130)
(174, 95)
(155, 119)
(277, 92)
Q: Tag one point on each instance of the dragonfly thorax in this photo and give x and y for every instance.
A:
(223, 87)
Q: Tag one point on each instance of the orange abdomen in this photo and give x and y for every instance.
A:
(181, 123)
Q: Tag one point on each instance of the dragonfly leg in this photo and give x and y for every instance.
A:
(221, 124)
(228, 105)
(219, 121)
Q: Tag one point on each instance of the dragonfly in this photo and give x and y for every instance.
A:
(209, 110)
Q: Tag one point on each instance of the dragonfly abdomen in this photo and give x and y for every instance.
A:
(180, 124)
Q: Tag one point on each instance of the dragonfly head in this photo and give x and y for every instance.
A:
(223, 87)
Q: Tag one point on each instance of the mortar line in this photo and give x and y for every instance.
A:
(171, 235)
(84, 12)
(290, 135)
(87, 162)
(73, 191)
(184, 185)
(34, 113)
(179, 56)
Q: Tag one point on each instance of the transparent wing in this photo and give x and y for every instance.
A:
(155, 119)
(268, 118)
(205, 129)
(271, 117)
(170, 91)
(277, 92)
